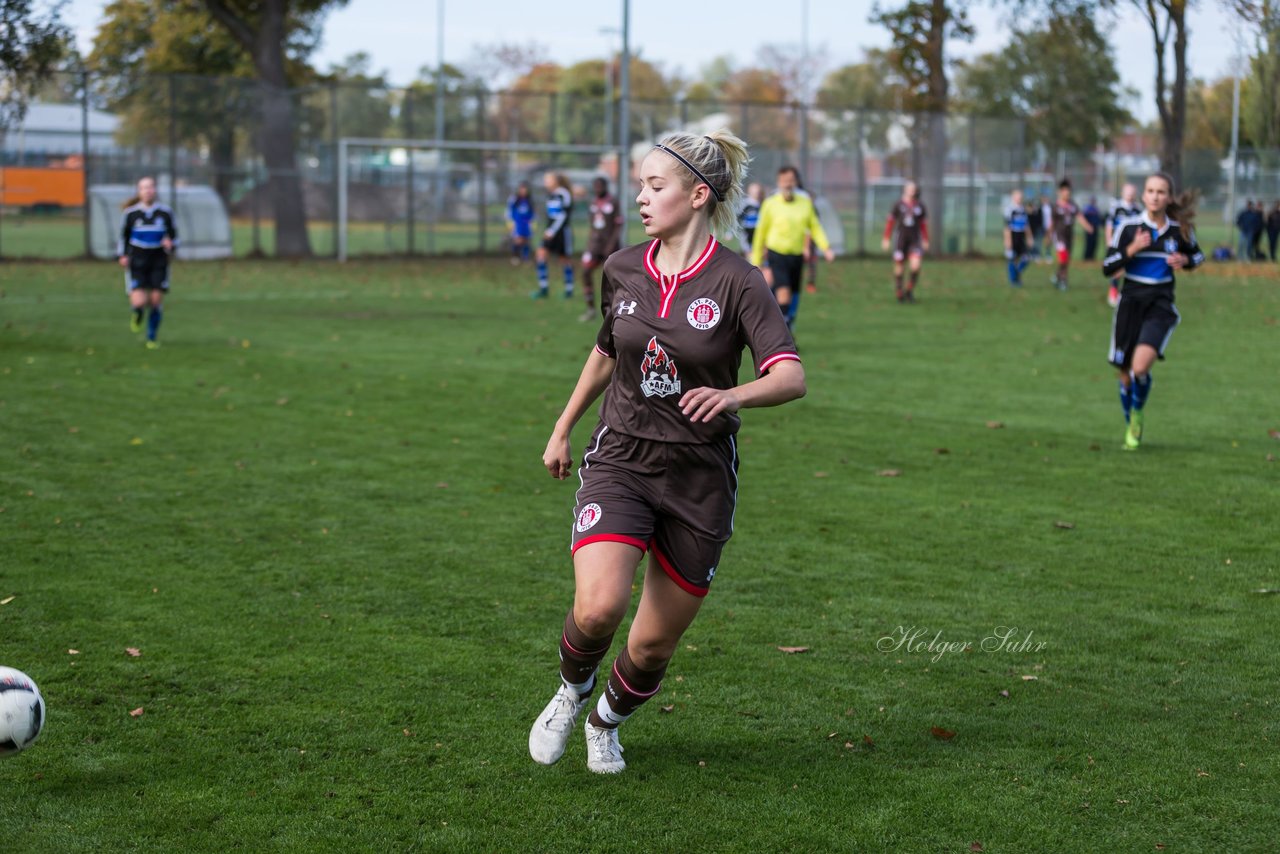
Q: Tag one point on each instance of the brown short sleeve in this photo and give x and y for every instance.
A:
(604, 338)
(763, 326)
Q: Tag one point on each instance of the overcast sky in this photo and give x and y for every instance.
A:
(683, 34)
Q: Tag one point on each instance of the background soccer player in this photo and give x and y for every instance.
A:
(911, 240)
(1148, 250)
(557, 239)
(661, 471)
(602, 241)
(1015, 238)
(786, 219)
(1123, 208)
(1066, 214)
(749, 215)
(147, 239)
(520, 220)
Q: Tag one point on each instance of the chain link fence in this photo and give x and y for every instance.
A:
(90, 131)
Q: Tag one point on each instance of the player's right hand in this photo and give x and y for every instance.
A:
(1008, 254)
(124, 260)
(884, 244)
(1141, 241)
(558, 457)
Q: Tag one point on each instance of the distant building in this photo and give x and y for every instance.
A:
(53, 132)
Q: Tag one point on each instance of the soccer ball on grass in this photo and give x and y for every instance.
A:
(21, 711)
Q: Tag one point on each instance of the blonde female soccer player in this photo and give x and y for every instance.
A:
(660, 473)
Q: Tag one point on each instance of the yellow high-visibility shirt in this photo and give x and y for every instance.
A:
(783, 225)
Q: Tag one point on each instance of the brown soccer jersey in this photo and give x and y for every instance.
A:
(909, 219)
(1064, 221)
(606, 225)
(671, 334)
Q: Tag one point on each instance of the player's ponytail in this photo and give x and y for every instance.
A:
(130, 202)
(1182, 207)
(562, 181)
(720, 159)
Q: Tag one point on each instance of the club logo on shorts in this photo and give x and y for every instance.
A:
(588, 517)
(658, 374)
(703, 314)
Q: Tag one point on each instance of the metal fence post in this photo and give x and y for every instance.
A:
(862, 184)
(84, 160)
(484, 200)
(336, 170)
(173, 148)
(973, 178)
(411, 201)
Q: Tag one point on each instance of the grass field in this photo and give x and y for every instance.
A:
(319, 513)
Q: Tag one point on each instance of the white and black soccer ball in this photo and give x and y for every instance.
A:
(21, 711)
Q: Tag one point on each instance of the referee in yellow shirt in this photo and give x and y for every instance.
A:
(785, 218)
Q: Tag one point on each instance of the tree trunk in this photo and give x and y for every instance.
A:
(278, 145)
(933, 176)
(1176, 126)
(264, 41)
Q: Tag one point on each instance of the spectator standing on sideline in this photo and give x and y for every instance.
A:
(1273, 229)
(1093, 216)
(1244, 222)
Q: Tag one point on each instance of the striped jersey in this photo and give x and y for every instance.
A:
(145, 228)
(1015, 218)
(1121, 211)
(1151, 265)
(672, 334)
(559, 209)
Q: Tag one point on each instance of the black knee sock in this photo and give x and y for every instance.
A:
(580, 656)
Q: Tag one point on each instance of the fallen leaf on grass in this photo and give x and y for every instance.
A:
(133, 652)
(866, 739)
(1121, 801)
(1159, 846)
(281, 401)
(889, 473)
(792, 650)
(73, 652)
(8, 600)
(1264, 590)
(941, 451)
(944, 734)
(407, 733)
(1274, 434)
(1030, 678)
(995, 425)
(976, 846)
(848, 745)
(1067, 525)
(1200, 773)
(820, 474)
(136, 713)
(668, 709)
(1004, 693)
(135, 441)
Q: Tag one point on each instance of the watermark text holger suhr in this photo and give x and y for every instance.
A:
(920, 640)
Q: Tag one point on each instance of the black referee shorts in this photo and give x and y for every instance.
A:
(787, 270)
(1145, 315)
(560, 243)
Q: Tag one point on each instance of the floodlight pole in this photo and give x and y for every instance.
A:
(624, 117)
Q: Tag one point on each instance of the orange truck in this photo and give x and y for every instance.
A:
(41, 188)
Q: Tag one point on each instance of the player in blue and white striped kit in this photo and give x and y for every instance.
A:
(1015, 238)
(558, 237)
(1148, 249)
(148, 237)
(1122, 208)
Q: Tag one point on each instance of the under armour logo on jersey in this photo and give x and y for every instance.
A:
(625, 307)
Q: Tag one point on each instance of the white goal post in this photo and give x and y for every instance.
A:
(347, 144)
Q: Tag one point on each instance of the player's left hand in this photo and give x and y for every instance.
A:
(924, 244)
(830, 255)
(586, 257)
(167, 244)
(1177, 260)
(703, 404)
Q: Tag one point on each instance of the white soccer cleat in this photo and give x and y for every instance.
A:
(604, 753)
(551, 730)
